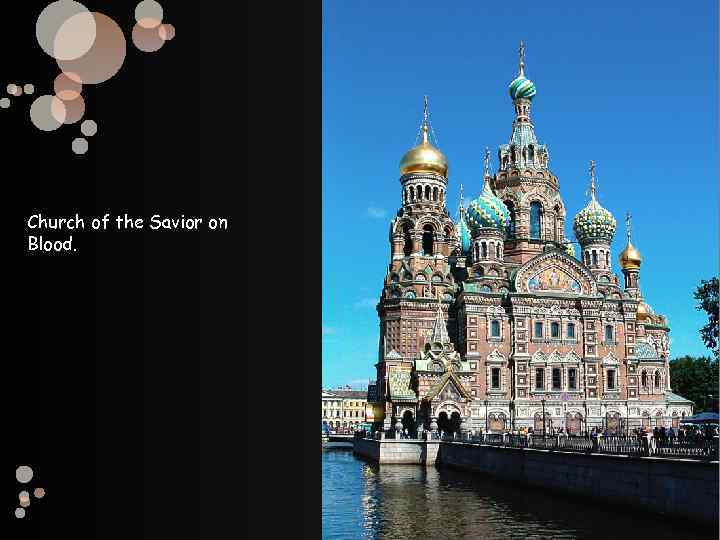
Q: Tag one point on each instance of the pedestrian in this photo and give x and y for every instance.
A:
(663, 433)
(671, 434)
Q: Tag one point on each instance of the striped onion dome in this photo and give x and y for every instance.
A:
(594, 222)
(522, 87)
(463, 232)
(488, 211)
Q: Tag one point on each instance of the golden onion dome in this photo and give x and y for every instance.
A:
(630, 258)
(644, 312)
(424, 158)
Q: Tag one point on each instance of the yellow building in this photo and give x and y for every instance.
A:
(343, 409)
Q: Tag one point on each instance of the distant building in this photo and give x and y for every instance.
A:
(343, 408)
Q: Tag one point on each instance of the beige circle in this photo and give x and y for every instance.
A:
(88, 128)
(67, 86)
(4, 103)
(39, 493)
(105, 57)
(23, 473)
(80, 145)
(147, 39)
(65, 30)
(29, 89)
(48, 113)
(19, 513)
(149, 14)
(74, 111)
(166, 32)
(11, 89)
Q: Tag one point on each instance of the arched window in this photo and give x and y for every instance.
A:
(587, 258)
(594, 257)
(435, 194)
(554, 330)
(607, 259)
(410, 294)
(407, 235)
(535, 219)
(571, 330)
(511, 209)
(497, 251)
(437, 279)
(495, 329)
(427, 193)
(483, 250)
(442, 195)
(657, 379)
(608, 333)
(419, 193)
(531, 153)
(427, 239)
(643, 378)
(477, 252)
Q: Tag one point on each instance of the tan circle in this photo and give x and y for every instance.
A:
(48, 113)
(65, 30)
(39, 493)
(88, 128)
(67, 86)
(147, 39)
(4, 103)
(166, 32)
(105, 57)
(149, 14)
(74, 111)
(24, 498)
(29, 89)
(23, 473)
(80, 145)
(11, 89)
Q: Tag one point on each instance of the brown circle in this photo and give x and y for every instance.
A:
(147, 39)
(67, 86)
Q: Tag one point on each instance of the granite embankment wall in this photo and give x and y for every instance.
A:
(402, 451)
(680, 488)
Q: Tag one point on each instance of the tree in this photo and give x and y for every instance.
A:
(707, 294)
(696, 379)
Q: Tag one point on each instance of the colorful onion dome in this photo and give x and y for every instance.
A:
(630, 258)
(488, 211)
(463, 232)
(569, 249)
(522, 87)
(594, 222)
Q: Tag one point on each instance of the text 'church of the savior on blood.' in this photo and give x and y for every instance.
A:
(494, 321)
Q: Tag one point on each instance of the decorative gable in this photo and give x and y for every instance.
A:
(555, 272)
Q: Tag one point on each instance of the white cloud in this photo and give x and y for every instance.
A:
(376, 213)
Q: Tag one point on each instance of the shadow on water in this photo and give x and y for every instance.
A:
(362, 500)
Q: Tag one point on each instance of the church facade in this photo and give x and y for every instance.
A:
(495, 321)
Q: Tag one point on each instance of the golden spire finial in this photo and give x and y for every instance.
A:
(426, 119)
(521, 52)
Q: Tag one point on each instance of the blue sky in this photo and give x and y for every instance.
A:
(631, 85)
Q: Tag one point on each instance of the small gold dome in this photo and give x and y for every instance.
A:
(630, 258)
(424, 158)
(644, 312)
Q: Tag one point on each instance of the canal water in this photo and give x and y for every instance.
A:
(362, 500)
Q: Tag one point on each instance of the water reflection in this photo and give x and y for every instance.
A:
(362, 500)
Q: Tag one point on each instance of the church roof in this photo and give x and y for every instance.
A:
(643, 351)
(449, 376)
(675, 398)
(399, 383)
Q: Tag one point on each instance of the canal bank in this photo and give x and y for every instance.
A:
(683, 489)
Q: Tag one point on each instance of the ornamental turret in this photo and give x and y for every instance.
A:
(525, 183)
(630, 261)
(594, 229)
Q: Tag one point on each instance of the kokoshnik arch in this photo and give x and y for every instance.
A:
(492, 320)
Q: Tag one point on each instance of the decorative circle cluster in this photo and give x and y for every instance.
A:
(488, 211)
